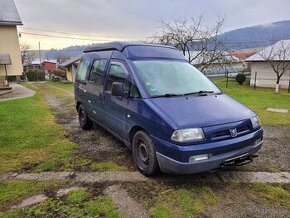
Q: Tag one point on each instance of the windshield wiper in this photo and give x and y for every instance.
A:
(201, 92)
(168, 95)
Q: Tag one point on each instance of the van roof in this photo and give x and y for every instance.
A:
(119, 46)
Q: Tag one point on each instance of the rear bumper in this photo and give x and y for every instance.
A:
(169, 165)
(175, 159)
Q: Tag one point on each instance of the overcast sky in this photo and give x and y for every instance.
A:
(133, 19)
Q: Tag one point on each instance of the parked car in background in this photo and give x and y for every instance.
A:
(165, 110)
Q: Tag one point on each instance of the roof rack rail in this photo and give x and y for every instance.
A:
(118, 46)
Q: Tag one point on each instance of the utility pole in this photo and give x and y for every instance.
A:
(39, 59)
(227, 75)
(289, 84)
(255, 80)
(39, 53)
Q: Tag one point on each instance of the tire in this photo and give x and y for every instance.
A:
(84, 120)
(144, 153)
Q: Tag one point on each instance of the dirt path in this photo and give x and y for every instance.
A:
(274, 156)
(126, 205)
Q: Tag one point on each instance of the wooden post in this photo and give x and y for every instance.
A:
(6, 75)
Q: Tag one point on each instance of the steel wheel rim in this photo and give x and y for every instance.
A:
(143, 153)
(82, 117)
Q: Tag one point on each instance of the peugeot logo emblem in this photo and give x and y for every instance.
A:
(233, 132)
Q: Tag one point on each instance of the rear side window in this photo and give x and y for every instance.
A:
(98, 71)
(118, 73)
(83, 69)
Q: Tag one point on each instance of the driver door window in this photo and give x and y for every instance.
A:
(118, 73)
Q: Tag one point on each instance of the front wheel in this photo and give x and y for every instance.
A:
(144, 153)
(84, 120)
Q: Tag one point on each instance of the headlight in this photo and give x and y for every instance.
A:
(255, 122)
(184, 135)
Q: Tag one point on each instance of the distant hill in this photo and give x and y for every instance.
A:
(66, 53)
(239, 39)
(256, 36)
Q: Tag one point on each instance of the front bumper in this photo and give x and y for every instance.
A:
(171, 165)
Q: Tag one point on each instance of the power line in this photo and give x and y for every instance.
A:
(64, 37)
(77, 34)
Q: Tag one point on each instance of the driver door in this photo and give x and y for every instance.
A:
(115, 107)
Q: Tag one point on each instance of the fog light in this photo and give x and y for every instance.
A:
(198, 157)
(258, 141)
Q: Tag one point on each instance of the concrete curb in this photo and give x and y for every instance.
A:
(19, 92)
(124, 176)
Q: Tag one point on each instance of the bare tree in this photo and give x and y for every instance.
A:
(198, 43)
(27, 55)
(278, 56)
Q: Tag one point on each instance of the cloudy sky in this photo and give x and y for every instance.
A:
(61, 23)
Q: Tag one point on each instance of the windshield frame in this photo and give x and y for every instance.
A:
(148, 95)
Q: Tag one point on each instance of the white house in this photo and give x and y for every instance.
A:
(261, 63)
(70, 66)
(10, 57)
(224, 62)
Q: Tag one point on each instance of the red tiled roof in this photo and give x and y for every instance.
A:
(243, 55)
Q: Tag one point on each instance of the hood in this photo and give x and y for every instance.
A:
(202, 111)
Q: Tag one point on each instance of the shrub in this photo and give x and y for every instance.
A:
(240, 78)
(35, 75)
(23, 77)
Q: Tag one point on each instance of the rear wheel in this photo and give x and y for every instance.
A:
(144, 153)
(84, 120)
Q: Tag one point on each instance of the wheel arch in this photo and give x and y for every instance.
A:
(78, 105)
(133, 130)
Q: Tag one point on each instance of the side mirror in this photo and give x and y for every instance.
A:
(118, 89)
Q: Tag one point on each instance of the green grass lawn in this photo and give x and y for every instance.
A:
(78, 203)
(259, 100)
(182, 202)
(12, 192)
(30, 140)
(190, 199)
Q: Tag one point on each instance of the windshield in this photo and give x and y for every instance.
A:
(170, 78)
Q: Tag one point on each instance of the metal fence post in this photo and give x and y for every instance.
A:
(227, 74)
(289, 86)
(255, 80)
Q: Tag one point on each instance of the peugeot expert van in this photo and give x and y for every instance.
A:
(164, 109)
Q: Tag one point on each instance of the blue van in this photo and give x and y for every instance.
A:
(165, 110)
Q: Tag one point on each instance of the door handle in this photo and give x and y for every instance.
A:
(82, 89)
(102, 97)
